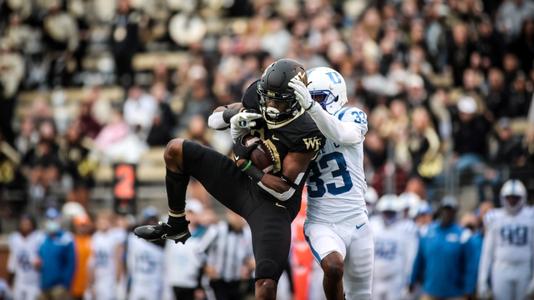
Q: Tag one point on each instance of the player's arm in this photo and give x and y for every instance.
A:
(294, 167)
(281, 187)
(338, 131)
(344, 133)
(220, 118)
(485, 263)
(11, 262)
(119, 261)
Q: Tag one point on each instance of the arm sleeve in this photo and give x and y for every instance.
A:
(216, 121)
(335, 129)
(485, 260)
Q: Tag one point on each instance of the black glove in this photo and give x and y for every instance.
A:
(242, 151)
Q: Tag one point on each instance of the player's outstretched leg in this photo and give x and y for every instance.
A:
(176, 184)
(332, 266)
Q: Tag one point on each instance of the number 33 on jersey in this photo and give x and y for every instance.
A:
(337, 178)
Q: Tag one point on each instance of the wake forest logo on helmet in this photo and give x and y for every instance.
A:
(313, 143)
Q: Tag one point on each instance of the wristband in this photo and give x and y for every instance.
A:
(254, 173)
(247, 165)
(229, 113)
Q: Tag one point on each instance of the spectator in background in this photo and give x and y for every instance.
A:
(78, 164)
(459, 51)
(511, 15)
(82, 244)
(10, 176)
(23, 257)
(11, 75)
(443, 262)
(139, 110)
(517, 104)
(198, 131)
(89, 126)
(125, 41)
(164, 121)
(117, 143)
(104, 264)
(57, 259)
(197, 98)
(184, 262)
(42, 164)
(230, 260)
(61, 37)
(469, 136)
(506, 155)
(145, 262)
(424, 148)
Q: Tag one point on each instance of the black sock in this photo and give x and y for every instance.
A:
(176, 185)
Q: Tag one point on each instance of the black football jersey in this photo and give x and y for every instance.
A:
(300, 135)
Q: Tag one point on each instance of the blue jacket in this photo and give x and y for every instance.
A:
(58, 260)
(444, 262)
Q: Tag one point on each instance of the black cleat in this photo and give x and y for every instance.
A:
(162, 231)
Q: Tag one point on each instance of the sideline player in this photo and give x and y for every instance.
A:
(507, 260)
(105, 260)
(337, 224)
(393, 259)
(268, 202)
(145, 262)
(23, 254)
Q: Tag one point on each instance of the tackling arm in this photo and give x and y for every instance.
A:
(338, 131)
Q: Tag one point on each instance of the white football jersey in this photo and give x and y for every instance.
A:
(23, 252)
(393, 249)
(145, 266)
(512, 236)
(103, 263)
(336, 184)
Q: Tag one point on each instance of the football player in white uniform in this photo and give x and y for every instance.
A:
(507, 261)
(337, 224)
(105, 260)
(23, 253)
(393, 256)
(145, 261)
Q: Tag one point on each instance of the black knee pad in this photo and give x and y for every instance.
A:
(268, 269)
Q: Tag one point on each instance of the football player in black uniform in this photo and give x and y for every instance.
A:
(268, 202)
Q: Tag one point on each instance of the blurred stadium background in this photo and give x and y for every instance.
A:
(92, 90)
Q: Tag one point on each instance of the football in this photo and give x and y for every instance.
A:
(261, 156)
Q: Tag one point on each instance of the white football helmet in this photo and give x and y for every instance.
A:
(328, 88)
(388, 202)
(513, 187)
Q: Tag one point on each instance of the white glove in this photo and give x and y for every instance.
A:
(241, 123)
(530, 290)
(484, 292)
(301, 93)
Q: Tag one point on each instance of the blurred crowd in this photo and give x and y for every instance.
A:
(447, 85)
